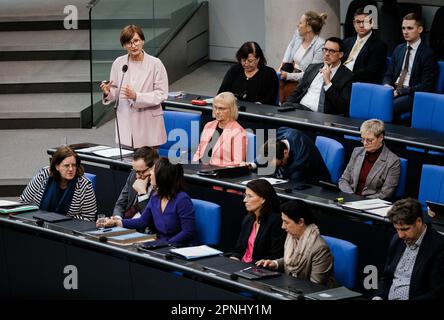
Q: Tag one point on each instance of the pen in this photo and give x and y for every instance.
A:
(248, 268)
(106, 230)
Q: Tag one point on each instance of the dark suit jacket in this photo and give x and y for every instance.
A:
(371, 60)
(337, 97)
(127, 197)
(427, 281)
(305, 163)
(424, 71)
(270, 238)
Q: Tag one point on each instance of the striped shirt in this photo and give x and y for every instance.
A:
(83, 205)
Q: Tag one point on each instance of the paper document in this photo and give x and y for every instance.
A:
(365, 205)
(112, 152)
(7, 203)
(92, 149)
(380, 211)
(209, 100)
(196, 252)
(272, 181)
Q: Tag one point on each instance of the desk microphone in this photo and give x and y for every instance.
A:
(116, 106)
(103, 239)
(234, 276)
(39, 222)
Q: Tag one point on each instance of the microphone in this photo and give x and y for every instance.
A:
(116, 106)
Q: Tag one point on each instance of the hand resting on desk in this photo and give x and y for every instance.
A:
(266, 263)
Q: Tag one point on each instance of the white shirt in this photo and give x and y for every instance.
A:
(411, 60)
(351, 63)
(311, 98)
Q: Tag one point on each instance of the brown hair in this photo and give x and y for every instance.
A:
(414, 16)
(255, 49)
(61, 154)
(315, 20)
(128, 32)
(405, 211)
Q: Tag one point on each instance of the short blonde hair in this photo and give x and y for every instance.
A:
(228, 100)
(374, 126)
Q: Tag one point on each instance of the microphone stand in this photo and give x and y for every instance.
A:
(116, 106)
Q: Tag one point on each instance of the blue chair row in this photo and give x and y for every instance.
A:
(431, 186)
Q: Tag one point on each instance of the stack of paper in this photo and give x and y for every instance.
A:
(272, 181)
(375, 206)
(190, 253)
(8, 207)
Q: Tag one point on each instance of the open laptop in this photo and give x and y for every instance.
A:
(436, 211)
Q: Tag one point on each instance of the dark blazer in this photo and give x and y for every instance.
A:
(371, 60)
(305, 163)
(128, 196)
(427, 280)
(337, 97)
(424, 71)
(270, 238)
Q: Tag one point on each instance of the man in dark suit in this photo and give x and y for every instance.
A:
(413, 68)
(137, 190)
(415, 263)
(365, 54)
(325, 87)
(297, 157)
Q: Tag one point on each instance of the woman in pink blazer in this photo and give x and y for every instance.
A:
(144, 88)
(223, 141)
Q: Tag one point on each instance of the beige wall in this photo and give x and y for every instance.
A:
(281, 18)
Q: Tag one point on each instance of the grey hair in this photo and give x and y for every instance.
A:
(374, 126)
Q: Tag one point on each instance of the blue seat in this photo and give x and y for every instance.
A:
(333, 154)
(183, 129)
(91, 177)
(278, 76)
(208, 221)
(431, 186)
(428, 112)
(440, 81)
(251, 146)
(400, 189)
(371, 101)
(345, 256)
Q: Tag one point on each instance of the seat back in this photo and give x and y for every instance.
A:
(333, 154)
(208, 221)
(370, 100)
(428, 111)
(251, 146)
(440, 81)
(345, 255)
(91, 177)
(431, 186)
(278, 76)
(183, 129)
(400, 189)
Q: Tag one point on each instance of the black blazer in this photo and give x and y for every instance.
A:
(269, 243)
(370, 63)
(337, 97)
(305, 163)
(424, 71)
(128, 196)
(427, 280)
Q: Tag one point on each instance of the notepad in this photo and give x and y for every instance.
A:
(130, 238)
(196, 252)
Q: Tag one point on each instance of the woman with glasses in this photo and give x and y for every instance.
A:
(170, 212)
(62, 187)
(373, 170)
(261, 235)
(251, 79)
(306, 254)
(143, 86)
(223, 141)
(304, 49)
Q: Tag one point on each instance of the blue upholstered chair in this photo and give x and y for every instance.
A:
(91, 177)
(440, 81)
(431, 186)
(208, 221)
(345, 256)
(371, 101)
(251, 146)
(400, 189)
(428, 112)
(183, 130)
(333, 154)
(278, 76)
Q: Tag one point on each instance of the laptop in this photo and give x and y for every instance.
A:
(436, 211)
(51, 217)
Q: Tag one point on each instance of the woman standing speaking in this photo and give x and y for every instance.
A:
(143, 85)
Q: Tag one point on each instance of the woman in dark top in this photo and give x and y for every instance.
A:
(261, 235)
(250, 79)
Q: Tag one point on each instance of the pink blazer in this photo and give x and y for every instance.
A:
(231, 147)
(141, 121)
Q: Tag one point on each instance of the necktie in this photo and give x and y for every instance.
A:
(405, 69)
(321, 99)
(355, 49)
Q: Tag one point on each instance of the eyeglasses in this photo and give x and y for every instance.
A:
(142, 172)
(135, 42)
(367, 141)
(248, 61)
(69, 165)
(358, 22)
(330, 51)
